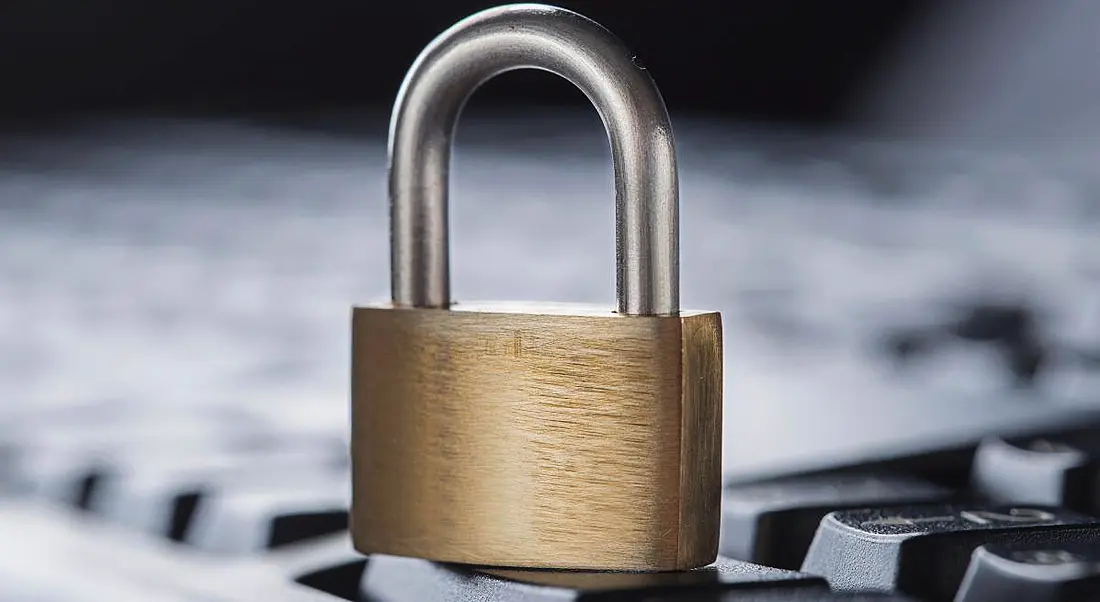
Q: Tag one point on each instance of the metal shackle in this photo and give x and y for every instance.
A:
(547, 38)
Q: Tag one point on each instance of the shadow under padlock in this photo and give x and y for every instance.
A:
(541, 435)
(394, 579)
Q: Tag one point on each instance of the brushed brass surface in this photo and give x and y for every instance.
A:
(545, 436)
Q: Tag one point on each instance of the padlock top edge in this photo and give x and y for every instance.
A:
(530, 307)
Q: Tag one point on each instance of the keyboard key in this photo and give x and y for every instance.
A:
(147, 427)
(9, 458)
(65, 462)
(256, 517)
(773, 522)
(73, 476)
(924, 551)
(930, 447)
(61, 557)
(1029, 573)
(395, 579)
(1037, 471)
(1011, 330)
(157, 494)
(328, 564)
(64, 476)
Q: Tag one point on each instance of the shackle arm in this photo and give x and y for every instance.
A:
(633, 112)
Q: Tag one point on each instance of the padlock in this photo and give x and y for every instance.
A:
(561, 436)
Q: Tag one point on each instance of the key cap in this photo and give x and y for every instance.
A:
(74, 476)
(1037, 471)
(146, 427)
(923, 551)
(1030, 573)
(395, 579)
(65, 462)
(22, 434)
(256, 517)
(63, 556)
(66, 476)
(931, 448)
(9, 458)
(773, 522)
(157, 494)
(328, 564)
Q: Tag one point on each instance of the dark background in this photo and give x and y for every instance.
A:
(797, 61)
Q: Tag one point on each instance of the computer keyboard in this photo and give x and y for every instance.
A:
(176, 518)
(175, 356)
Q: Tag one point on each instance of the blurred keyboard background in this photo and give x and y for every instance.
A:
(184, 262)
(895, 210)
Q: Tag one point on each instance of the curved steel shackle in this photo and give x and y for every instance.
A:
(552, 39)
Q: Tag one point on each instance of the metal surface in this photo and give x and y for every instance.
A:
(537, 436)
(521, 36)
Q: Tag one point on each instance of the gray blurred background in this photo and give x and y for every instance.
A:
(894, 204)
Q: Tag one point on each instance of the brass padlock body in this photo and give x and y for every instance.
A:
(549, 436)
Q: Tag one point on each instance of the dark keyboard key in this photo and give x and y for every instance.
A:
(1030, 573)
(178, 513)
(773, 522)
(257, 517)
(328, 564)
(923, 551)
(1037, 471)
(395, 579)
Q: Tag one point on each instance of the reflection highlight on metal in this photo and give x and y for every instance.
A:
(576, 48)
